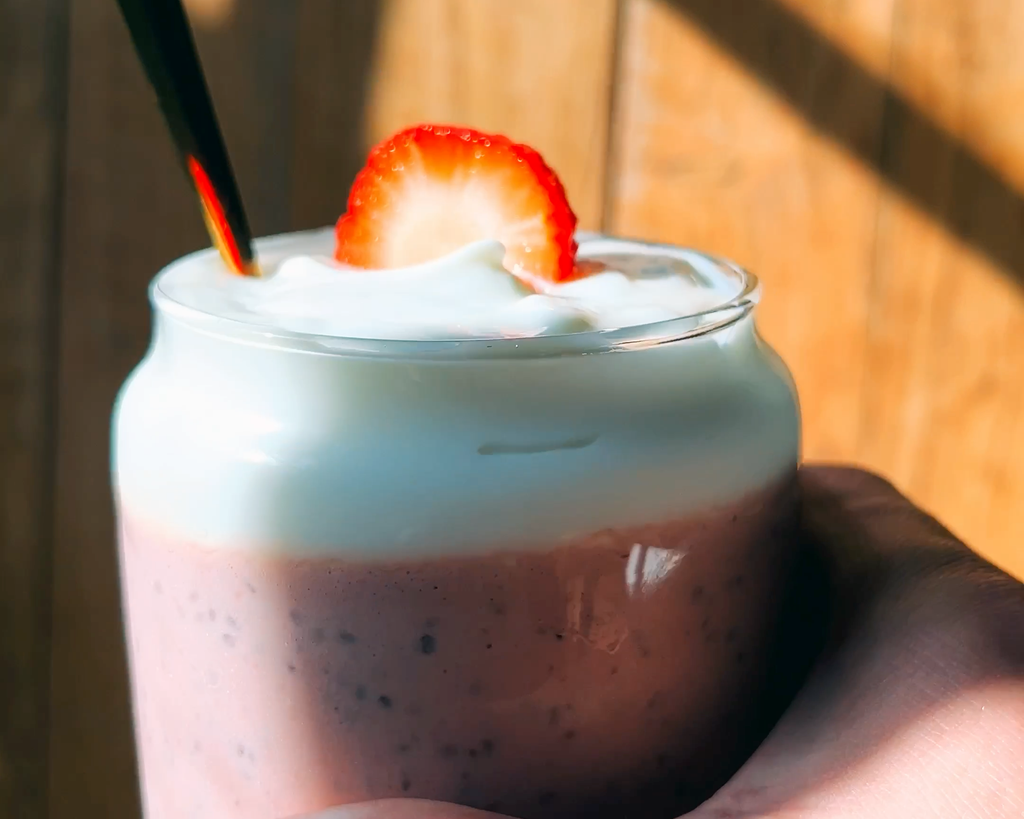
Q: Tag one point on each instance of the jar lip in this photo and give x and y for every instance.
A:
(642, 336)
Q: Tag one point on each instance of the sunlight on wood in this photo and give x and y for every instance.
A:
(953, 51)
(862, 30)
(209, 13)
(902, 337)
(708, 158)
(943, 405)
(537, 70)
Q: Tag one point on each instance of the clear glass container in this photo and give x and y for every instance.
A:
(537, 576)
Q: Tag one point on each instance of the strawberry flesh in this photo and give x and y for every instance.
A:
(430, 190)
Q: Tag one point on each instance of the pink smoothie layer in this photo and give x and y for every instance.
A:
(618, 669)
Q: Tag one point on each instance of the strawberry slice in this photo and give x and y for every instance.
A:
(432, 189)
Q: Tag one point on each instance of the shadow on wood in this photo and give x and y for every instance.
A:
(129, 211)
(33, 73)
(931, 167)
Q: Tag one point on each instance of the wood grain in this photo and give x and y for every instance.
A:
(865, 160)
(129, 211)
(944, 408)
(209, 13)
(334, 61)
(537, 70)
(31, 141)
(711, 157)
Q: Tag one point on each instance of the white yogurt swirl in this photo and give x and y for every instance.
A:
(467, 294)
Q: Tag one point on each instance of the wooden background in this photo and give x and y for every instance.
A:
(865, 158)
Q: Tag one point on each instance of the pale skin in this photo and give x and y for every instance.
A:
(914, 707)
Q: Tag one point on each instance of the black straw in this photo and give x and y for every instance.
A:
(164, 43)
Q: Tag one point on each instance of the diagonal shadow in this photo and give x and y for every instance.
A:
(935, 170)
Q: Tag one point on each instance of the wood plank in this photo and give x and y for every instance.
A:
(128, 212)
(209, 13)
(944, 409)
(32, 63)
(742, 130)
(537, 70)
(752, 127)
(331, 89)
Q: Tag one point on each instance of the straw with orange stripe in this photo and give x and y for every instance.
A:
(164, 43)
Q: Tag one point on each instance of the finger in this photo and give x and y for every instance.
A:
(862, 522)
(401, 809)
(888, 561)
(918, 708)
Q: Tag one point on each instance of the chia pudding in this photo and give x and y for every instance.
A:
(449, 532)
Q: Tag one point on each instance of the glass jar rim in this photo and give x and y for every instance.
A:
(635, 337)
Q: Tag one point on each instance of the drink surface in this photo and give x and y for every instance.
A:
(527, 564)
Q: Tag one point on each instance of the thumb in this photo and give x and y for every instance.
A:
(401, 809)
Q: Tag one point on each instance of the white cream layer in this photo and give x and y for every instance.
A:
(245, 440)
(467, 294)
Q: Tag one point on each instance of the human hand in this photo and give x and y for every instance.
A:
(915, 707)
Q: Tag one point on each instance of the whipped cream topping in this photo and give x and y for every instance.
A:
(467, 294)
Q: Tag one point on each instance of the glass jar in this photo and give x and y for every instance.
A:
(537, 576)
